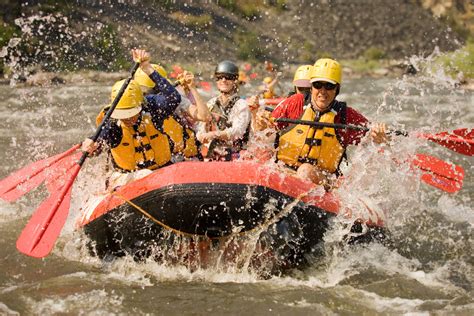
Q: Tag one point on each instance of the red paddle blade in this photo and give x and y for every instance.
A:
(439, 173)
(40, 234)
(21, 189)
(35, 169)
(445, 184)
(460, 140)
(57, 176)
(54, 173)
(206, 86)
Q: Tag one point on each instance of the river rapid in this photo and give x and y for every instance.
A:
(428, 268)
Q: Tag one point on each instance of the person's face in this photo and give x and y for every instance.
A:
(131, 120)
(226, 83)
(322, 94)
(303, 90)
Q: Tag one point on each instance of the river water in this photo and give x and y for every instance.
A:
(429, 268)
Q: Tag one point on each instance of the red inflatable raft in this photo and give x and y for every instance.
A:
(216, 201)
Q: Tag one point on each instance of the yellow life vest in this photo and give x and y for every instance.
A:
(182, 138)
(269, 94)
(145, 148)
(318, 146)
(182, 143)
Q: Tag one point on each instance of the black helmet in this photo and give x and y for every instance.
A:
(227, 67)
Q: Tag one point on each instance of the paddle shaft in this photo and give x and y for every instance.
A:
(460, 140)
(110, 110)
(437, 176)
(333, 125)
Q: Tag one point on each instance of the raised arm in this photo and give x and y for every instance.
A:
(199, 110)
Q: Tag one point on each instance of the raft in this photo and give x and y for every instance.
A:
(213, 202)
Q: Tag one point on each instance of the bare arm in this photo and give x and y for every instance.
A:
(198, 111)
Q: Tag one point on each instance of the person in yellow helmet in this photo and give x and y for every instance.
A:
(301, 80)
(267, 89)
(316, 153)
(134, 134)
(192, 104)
(301, 86)
(179, 126)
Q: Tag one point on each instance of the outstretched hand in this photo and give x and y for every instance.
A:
(143, 57)
(186, 79)
(378, 132)
(253, 103)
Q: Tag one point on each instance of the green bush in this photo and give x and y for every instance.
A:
(108, 50)
(459, 61)
(193, 21)
(307, 53)
(361, 65)
(374, 53)
(249, 9)
(249, 47)
(7, 31)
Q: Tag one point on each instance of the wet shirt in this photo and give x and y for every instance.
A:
(238, 118)
(293, 108)
(159, 106)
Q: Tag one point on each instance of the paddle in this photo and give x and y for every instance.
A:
(460, 140)
(48, 175)
(40, 234)
(31, 176)
(436, 172)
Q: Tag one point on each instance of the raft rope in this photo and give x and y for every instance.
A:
(141, 210)
(260, 227)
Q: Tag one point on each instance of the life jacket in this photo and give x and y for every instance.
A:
(268, 94)
(319, 146)
(142, 146)
(220, 121)
(183, 139)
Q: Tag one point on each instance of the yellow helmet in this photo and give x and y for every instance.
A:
(302, 76)
(131, 101)
(142, 78)
(267, 79)
(326, 69)
(242, 77)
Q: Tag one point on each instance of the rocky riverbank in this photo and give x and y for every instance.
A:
(47, 41)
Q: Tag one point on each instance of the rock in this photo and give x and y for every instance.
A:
(381, 72)
(44, 79)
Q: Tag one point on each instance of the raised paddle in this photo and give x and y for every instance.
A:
(40, 234)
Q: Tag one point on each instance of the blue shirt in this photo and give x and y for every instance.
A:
(159, 106)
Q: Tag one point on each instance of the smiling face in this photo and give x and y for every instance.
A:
(321, 97)
(226, 83)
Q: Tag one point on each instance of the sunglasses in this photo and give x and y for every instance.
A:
(226, 77)
(327, 85)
